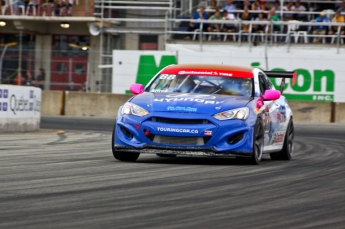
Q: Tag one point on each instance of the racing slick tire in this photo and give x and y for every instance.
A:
(258, 145)
(122, 156)
(165, 155)
(287, 151)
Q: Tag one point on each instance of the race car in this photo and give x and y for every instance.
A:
(206, 110)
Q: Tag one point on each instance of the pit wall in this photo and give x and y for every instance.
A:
(107, 105)
(20, 108)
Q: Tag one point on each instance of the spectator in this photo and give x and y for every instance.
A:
(229, 27)
(28, 80)
(71, 86)
(47, 7)
(259, 27)
(342, 7)
(201, 15)
(245, 26)
(212, 8)
(339, 19)
(19, 80)
(263, 5)
(246, 5)
(299, 9)
(39, 81)
(256, 5)
(15, 5)
(272, 16)
(229, 6)
(276, 5)
(213, 5)
(57, 7)
(216, 27)
(33, 4)
(66, 6)
(288, 7)
(85, 88)
(320, 29)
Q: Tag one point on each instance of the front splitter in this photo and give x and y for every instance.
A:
(181, 151)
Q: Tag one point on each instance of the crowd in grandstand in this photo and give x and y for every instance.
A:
(263, 11)
(35, 7)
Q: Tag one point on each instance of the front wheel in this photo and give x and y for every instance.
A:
(165, 155)
(287, 151)
(258, 145)
(122, 156)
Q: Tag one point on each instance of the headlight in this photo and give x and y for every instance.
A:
(240, 113)
(131, 108)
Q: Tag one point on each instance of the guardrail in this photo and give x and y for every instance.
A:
(285, 31)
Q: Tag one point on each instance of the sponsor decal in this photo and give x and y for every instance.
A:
(278, 137)
(199, 98)
(177, 130)
(167, 76)
(156, 90)
(208, 132)
(311, 85)
(4, 106)
(188, 99)
(178, 108)
(21, 104)
(196, 72)
(225, 74)
(191, 96)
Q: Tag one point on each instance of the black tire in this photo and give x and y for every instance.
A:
(287, 151)
(258, 145)
(122, 156)
(165, 155)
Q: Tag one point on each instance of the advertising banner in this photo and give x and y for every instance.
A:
(319, 72)
(20, 108)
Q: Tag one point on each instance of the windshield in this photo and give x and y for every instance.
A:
(168, 83)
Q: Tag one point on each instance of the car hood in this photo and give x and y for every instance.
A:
(189, 102)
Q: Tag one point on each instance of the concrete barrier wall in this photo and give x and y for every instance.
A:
(52, 102)
(19, 108)
(107, 105)
(311, 112)
(93, 104)
(340, 113)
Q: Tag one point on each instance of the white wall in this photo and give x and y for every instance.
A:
(311, 61)
(20, 108)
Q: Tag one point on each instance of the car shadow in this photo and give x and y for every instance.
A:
(192, 160)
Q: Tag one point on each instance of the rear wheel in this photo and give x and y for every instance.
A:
(287, 151)
(122, 156)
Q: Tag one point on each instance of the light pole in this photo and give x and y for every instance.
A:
(3, 54)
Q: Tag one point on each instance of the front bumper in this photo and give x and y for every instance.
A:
(212, 138)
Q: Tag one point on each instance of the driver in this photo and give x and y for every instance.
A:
(236, 87)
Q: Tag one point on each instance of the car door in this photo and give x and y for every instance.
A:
(266, 119)
(276, 123)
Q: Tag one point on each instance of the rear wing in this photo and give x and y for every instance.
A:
(283, 75)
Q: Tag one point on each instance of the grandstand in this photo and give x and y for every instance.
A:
(73, 40)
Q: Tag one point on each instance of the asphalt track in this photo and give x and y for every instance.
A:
(69, 179)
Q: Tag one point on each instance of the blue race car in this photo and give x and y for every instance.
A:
(206, 110)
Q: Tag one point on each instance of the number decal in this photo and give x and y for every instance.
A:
(166, 76)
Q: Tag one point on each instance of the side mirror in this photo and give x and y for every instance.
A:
(271, 95)
(136, 88)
